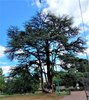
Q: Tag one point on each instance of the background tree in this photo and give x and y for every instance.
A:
(69, 78)
(70, 61)
(42, 43)
(2, 81)
(22, 81)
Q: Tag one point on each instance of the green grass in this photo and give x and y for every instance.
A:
(62, 93)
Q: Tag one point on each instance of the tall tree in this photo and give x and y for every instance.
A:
(44, 39)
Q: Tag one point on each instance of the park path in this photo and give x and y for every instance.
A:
(79, 95)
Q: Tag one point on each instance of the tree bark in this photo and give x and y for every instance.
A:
(48, 66)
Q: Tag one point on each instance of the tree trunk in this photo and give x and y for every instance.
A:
(48, 66)
(41, 78)
(41, 71)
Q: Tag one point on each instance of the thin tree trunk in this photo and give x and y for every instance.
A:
(41, 71)
(41, 79)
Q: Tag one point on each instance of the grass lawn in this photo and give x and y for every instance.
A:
(32, 97)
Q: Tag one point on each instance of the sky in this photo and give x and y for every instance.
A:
(17, 12)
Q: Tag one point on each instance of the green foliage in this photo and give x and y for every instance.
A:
(82, 65)
(68, 78)
(58, 77)
(2, 81)
(22, 83)
(45, 40)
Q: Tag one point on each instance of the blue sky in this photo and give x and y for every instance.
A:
(13, 12)
(16, 12)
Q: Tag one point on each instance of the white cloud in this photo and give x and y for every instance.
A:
(85, 54)
(69, 7)
(87, 51)
(38, 3)
(34, 2)
(2, 49)
(20, 51)
(6, 69)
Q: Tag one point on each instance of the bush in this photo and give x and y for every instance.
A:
(21, 84)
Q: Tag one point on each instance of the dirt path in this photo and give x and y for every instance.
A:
(34, 97)
(76, 96)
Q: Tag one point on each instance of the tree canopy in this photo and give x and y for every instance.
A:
(45, 40)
